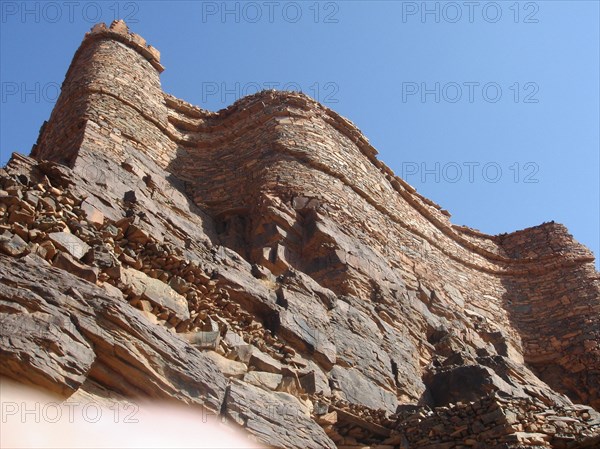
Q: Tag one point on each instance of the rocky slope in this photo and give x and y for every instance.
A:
(260, 263)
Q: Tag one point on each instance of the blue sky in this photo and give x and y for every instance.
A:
(491, 109)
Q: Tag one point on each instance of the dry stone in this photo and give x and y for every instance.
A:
(64, 261)
(265, 414)
(156, 292)
(12, 245)
(273, 224)
(205, 340)
(229, 368)
(268, 381)
(69, 243)
(263, 362)
(92, 213)
(356, 388)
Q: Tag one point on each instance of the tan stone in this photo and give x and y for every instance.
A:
(69, 243)
(229, 368)
(155, 291)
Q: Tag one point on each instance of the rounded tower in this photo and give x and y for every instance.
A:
(111, 98)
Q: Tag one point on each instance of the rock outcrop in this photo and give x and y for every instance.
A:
(261, 263)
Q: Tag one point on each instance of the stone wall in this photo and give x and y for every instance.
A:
(366, 282)
(284, 146)
(494, 423)
(111, 98)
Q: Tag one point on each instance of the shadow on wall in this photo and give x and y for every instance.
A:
(557, 312)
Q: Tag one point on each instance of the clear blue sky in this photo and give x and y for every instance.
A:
(490, 109)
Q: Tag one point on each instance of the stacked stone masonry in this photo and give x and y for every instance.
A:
(269, 237)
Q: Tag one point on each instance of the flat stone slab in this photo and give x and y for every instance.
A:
(205, 339)
(264, 380)
(254, 357)
(265, 414)
(358, 389)
(229, 368)
(65, 262)
(92, 213)
(69, 243)
(264, 362)
(12, 245)
(156, 292)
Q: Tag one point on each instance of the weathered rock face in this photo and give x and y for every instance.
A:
(260, 262)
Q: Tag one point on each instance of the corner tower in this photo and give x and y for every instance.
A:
(111, 98)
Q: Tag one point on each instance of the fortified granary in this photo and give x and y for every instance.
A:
(262, 258)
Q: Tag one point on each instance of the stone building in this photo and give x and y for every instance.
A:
(262, 258)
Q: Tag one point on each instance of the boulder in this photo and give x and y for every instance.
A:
(264, 362)
(315, 382)
(64, 261)
(229, 368)
(354, 387)
(264, 380)
(156, 292)
(93, 214)
(12, 245)
(265, 414)
(205, 340)
(69, 243)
